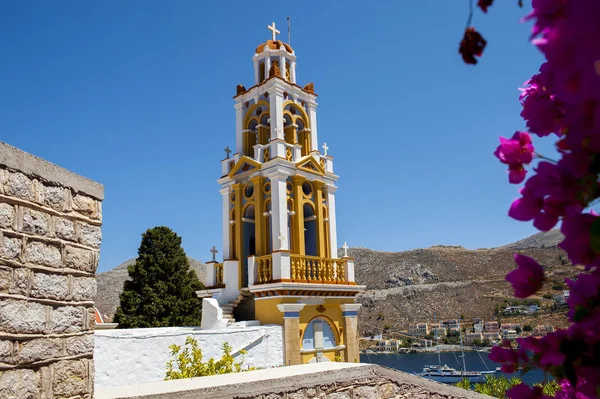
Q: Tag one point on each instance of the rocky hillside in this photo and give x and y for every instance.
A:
(110, 285)
(406, 287)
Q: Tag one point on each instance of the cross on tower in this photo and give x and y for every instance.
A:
(274, 31)
(227, 151)
(345, 247)
(214, 252)
(282, 240)
(325, 148)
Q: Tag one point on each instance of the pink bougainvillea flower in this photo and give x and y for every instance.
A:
(527, 278)
(484, 4)
(577, 243)
(510, 358)
(522, 391)
(471, 46)
(515, 152)
(584, 296)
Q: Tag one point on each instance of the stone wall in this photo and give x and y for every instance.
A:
(50, 238)
(139, 355)
(308, 381)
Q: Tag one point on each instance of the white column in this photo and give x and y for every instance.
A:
(293, 72)
(282, 61)
(267, 66)
(312, 115)
(276, 113)
(256, 72)
(239, 129)
(226, 194)
(279, 214)
(332, 220)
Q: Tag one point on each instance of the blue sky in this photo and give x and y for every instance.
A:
(138, 96)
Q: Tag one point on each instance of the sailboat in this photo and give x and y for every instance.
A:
(450, 375)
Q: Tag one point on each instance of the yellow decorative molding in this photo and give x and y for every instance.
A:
(310, 164)
(244, 160)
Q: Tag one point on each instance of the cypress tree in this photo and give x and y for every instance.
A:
(162, 289)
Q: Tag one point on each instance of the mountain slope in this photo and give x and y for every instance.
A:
(407, 287)
(110, 285)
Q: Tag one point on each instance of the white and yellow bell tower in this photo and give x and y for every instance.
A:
(279, 219)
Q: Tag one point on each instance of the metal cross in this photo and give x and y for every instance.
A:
(282, 239)
(345, 247)
(325, 148)
(227, 151)
(275, 31)
(214, 252)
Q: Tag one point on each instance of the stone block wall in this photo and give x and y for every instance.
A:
(50, 239)
(307, 381)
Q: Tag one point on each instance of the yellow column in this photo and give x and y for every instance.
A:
(291, 332)
(299, 218)
(321, 237)
(239, 251)
(259, 204)
(350, 314)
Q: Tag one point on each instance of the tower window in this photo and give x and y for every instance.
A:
(261, 71)
(306, 188)
(249, 190)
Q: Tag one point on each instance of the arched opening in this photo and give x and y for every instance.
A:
(319, 335)
(249, 240)
(310, 230)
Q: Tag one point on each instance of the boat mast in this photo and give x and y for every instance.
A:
(437, 343)
(461, 345)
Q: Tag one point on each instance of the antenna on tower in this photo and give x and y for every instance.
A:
(289, 34)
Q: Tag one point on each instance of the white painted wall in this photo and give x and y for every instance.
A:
(140, 355)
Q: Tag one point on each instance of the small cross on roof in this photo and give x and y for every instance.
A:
(214, 253)
(274, 31)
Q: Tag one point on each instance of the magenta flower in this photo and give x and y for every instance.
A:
(577, 244)
(508, 357)
(584, 297)
(522, 391)
(527, 278)
(515, 152)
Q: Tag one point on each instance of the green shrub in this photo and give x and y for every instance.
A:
(497, 386)
(190, 364)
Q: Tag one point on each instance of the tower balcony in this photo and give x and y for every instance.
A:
(312, 273)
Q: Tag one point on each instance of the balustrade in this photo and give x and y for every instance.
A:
(264, 269)
(219, 274)
(314, 269)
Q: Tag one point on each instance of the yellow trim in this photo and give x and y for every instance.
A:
(238, 187)
(321, 235)
(250, 111)
(258, 181)
(298, 226)
(243, 159)
(310, 160)
(300, 109)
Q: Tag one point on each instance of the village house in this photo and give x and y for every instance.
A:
(491, 336)
(509, 334)
(419, 329)
(451, 325)
(510, 326)
(491, 327)
(541, 331)
(471, 337)
(437, 329)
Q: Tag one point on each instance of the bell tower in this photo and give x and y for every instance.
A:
(279, 220)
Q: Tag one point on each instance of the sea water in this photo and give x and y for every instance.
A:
(475, 361)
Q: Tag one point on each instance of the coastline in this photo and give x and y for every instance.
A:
(434, 349)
